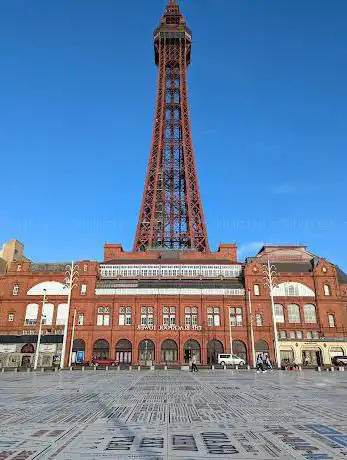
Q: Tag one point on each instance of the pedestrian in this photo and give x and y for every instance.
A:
(268, 362)
(194, 366)
(260, 364)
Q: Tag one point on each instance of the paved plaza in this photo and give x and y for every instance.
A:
(173, 414)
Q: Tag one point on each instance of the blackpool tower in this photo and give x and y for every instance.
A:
(171, 214)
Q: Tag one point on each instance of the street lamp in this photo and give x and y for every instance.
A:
(270, 281)
(230, 333)
(251, 327)
(72, 336)
(40, 330)
(71, 280)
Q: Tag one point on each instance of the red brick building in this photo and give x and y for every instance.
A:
(142, 308)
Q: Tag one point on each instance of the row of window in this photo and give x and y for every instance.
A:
(169, 315)
(292, 289)
(15, 289)
(299, 335)
(210, 271)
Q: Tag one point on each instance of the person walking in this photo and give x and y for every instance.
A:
(260, 364)
(268, 362)
(194, 361)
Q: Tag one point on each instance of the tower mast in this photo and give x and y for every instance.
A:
(171, 214)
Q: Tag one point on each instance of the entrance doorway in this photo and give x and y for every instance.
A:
(239, 349)
(146, 352)
(312, 357)
(78, 351)
(123, 351)
(101, 349)
(214, 347)
(192, 347)
(28, 349)
(169, 352)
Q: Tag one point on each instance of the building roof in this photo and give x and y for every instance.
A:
(169, 262)
(341, 275)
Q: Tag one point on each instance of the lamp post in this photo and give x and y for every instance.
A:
(230, 333)
(72, 336)
(40, 330)
(251, 327)
(71, 279)
(271, 282)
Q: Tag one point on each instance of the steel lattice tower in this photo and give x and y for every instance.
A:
(171, 215)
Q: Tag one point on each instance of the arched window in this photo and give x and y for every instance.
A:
(31, 314)
(279, 315)
(293, 313)
(326, 289)
(310, 313)
(123, 351)
(331, 320)
(259, 319)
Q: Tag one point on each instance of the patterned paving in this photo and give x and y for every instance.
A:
(161, 415)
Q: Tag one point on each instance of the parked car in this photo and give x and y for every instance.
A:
(339, 360)
(227, 358)
(103, 362)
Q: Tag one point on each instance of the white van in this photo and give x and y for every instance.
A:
(227, 358)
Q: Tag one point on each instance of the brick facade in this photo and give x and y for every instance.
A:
(316, 273)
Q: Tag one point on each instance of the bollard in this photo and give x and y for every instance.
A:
(332, 369)
(300, 368)
(70, 368)
(237, 367)
(55, 369)
(165, 367)
(130, 368)
(2, 370)
(16, 369)
(118, 368)
(82, 369)
(138, 368)
(212, 367)
(152, 368)
(95, 368)
(319, 369)
(224, 368)
(42, 369)
(28, 369)
(248, 367)
(106, 368)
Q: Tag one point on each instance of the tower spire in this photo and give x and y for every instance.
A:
(171, 214)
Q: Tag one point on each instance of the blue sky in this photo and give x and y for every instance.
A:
(268, 97)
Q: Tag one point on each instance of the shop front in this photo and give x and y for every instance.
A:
(312, 354)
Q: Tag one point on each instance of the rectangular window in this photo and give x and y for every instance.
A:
(213, 316)
(279, 315)
(147, 318)
(169, 316)
(299, 334)
(236, 316)
(80, 320)
(331, 320)
(292, 334)
(10, 317)
(83, 289)
(15, 289)
(309, 335)
(259, 319)
(283, 334)
(326, 289)
(125, 318)
(191, 316)
(256, 289)
(103, 318)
